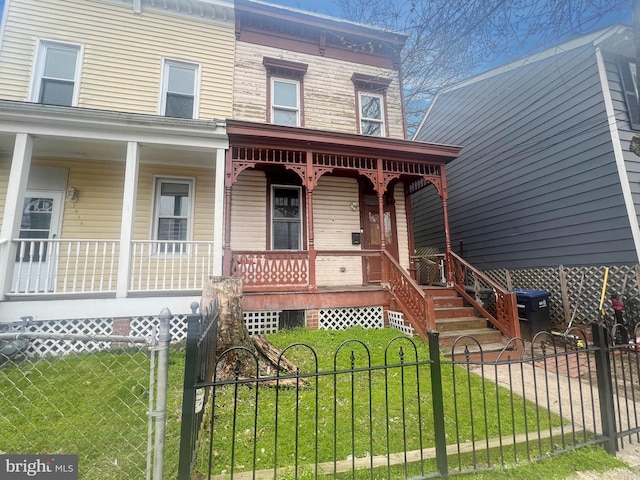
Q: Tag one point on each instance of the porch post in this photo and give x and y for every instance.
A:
(17, 185)
(218, 213)
(312, 247)
(447, 237)
(128, 218)
(226, 265)
(383, 243)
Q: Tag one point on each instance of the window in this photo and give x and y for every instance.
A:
(173, 214)
(371, 114)
(285, 102)
(57, 74)
(179, 89)
(630, 85)
(286, 218)
(285, 95)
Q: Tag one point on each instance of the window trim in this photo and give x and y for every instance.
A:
(273, 219)
(287, 71)
(626, 66)
(164, 83)
(38, 67)
(383, 113)
(158, 180)
(273, 107)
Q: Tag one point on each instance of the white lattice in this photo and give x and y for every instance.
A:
(91, 326)
(396, 320)
(259, 323)
(342, 318)
(143, 327)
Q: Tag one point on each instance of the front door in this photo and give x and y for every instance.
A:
(373, 236)
(35, 268)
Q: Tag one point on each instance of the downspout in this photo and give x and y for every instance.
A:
(618, 153)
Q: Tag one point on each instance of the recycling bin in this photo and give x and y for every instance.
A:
(533, 310)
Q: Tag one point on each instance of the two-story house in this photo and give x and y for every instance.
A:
(112, 154)
(146, 144)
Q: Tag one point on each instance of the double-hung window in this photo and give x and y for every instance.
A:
(285, 102)
(285, 91)
(173, 214)
(57, 74)
(630, 85)
(180, 85)
(371, 114)
(286, 218)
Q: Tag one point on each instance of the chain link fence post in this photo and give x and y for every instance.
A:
(160, 412)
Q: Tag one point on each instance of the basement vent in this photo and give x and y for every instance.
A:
(260, 323)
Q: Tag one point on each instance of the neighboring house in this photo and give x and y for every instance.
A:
(111, 157)
(123, 188)
(545, 176)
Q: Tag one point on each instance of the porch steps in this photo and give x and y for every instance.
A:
(453, 320)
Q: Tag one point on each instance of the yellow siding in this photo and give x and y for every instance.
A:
(329, 93)
(334, 221)
(123, 53)
(401, 226)
(249, 212)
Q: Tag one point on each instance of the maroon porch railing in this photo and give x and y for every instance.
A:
(271, 270)
(506, 307)
(416, 306)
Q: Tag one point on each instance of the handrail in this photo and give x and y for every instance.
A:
(416, 306)
(506, 318)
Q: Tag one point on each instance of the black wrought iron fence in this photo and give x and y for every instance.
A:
(415, 413)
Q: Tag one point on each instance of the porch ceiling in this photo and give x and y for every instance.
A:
(261, 135)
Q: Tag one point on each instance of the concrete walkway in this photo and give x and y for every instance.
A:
(565, 394)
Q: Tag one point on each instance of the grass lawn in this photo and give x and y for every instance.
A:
(95, 405)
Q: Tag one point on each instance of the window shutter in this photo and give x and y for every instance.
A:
(630, 93)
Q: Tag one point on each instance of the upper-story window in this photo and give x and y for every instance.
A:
(57, 73)
(630, 85)
(285, 102)
(285, 96)
(371, 104)
(180, 86)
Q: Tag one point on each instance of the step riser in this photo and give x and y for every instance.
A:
(454, 312)
(447, 340)
(440, 292)
(461, 325)
(448, 302)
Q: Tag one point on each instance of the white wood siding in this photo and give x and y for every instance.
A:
(249, 212)
(329, 93)
(123, 52)
(334, 221)
(401, 226)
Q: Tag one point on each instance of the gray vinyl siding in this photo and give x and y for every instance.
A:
(536, 183)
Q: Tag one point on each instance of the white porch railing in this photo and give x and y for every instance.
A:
(65, 266)
(169, 265)
(54, 266)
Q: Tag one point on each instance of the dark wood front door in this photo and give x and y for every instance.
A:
(373, 236)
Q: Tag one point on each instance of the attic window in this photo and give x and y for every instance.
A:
(630, 85)
(370, 82)
(277, 67)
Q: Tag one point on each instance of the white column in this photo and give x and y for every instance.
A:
(218, 213)
(128, 218)
(18, 177)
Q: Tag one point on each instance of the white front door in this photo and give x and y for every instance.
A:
(36, 261)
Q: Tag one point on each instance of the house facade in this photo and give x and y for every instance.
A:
(112, 152)
(545, 177)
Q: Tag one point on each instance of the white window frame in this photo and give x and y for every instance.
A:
(164, 83)
(383, 107)
(281, 107)
(42, 45)
(273, 218)
(157, 190)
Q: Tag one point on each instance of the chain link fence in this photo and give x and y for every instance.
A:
(97, 396)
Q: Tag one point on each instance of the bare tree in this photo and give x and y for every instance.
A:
(452, 39)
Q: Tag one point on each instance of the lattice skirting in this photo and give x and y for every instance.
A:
(260, 323)
(396, 320)
(342, 318)
(139, 326)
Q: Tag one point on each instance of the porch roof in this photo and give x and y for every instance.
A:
(262, 135)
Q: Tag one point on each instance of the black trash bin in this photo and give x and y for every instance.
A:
(533, 310)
